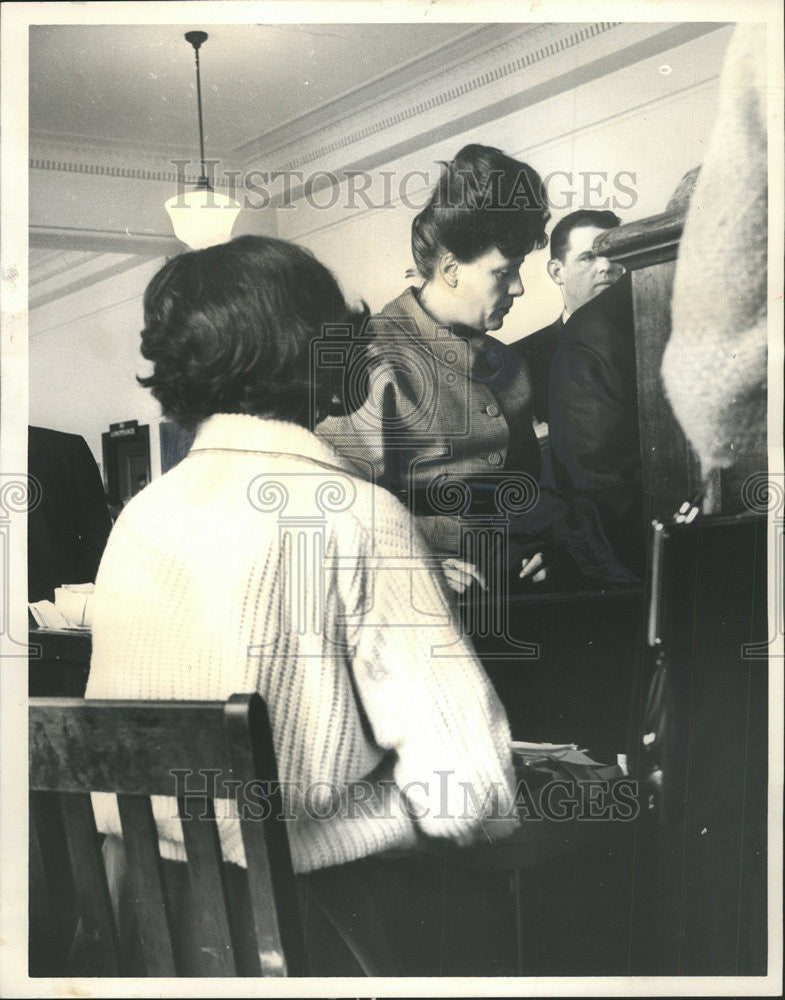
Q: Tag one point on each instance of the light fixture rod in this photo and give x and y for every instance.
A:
(196, 38)
(192, 225)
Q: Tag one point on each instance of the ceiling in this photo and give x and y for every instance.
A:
(135, 86)
(112, 106)
(129, 88)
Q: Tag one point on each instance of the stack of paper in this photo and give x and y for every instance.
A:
(70, 610)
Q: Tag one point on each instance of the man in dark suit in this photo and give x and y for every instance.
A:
(68, 522)
(581, 275)
(593, 427)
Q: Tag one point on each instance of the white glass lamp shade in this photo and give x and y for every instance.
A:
(202, 217)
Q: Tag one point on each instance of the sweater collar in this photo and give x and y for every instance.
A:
(465, 351)
(244, 432)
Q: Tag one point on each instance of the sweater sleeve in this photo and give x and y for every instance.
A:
(426, 696)
(714, 366)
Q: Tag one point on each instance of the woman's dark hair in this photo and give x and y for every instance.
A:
(229, 330)
(483, 199)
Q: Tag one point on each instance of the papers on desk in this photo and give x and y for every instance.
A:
(567, 752)
(548, 757)
(70, 610)
(47, 616)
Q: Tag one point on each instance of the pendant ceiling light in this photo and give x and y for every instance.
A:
(201, 217)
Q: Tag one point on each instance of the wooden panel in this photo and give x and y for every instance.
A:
(644, 243)
(141, 845)
(60, 644)
(705, 760)
(208, 888)
(59, 662)
(649, 248)
(579, 686)
(92, 892)
(671, 473)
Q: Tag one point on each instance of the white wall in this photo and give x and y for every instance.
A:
(84, 356)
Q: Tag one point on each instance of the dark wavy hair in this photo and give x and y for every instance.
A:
(560, 237)
(229, 330)
(483, 199)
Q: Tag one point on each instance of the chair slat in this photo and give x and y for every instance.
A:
(92, 892)
(144, 869)
(208, 888)
(266, 843)
(50, 874)
(47, 941)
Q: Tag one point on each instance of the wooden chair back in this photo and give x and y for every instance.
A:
(136, 749)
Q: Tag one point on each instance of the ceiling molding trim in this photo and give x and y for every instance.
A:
(104, 241)
(481, 92)
(470, 66)
(72, 162)
(408, 82)
(309, 138)
(449, 101)
(577, 75)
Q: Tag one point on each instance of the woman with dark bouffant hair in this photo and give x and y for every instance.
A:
(262, 563)
(446, 398)
(484, 201)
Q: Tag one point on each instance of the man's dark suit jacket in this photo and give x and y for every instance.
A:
(537, 351)
(68, 525)
(593, 425)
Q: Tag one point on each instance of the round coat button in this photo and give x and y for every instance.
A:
(495, 458)
(492, 410)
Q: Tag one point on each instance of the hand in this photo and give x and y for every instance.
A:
(534, 569)
(460, 575)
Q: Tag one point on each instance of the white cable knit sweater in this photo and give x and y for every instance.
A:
(714, 367)
(260, 563)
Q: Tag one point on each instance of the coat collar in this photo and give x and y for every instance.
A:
(278, 438)
(474, 355)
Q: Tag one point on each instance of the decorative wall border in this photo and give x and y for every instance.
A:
(72, 166)
(328, 130)
(482, 76)
(471, 88)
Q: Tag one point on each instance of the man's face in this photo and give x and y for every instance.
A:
(486, 288)
(582, 275)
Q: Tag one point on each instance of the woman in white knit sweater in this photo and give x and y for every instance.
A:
(260, 563)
